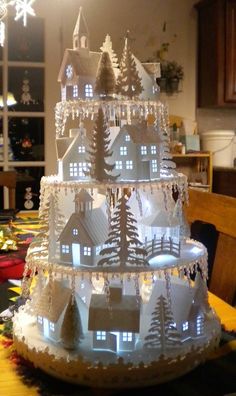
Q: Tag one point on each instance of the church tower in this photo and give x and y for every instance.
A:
(81, 34)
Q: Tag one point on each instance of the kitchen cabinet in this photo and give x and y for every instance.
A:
(197, 167)
(216, 73)
(224, 181)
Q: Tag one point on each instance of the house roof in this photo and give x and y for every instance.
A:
(142, 134)
(92, 226)
(114, 316)
(83, 196)
(62, 145)
(59, 295)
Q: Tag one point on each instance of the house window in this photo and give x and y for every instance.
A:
(127, 337)
(199, 325)
(123, 150)
(129, 164)
(87, 251)
(143, 150)
(75, 231)
(65, 249)
(75, 91)
(52, 326)
(127, 138)
(101, 335)
(153, 149)
(40, 320)
(82, 167)
(73, 169)
(154, 165)
(88, 90)
(185, 326)
(81, 149)
(118, 164)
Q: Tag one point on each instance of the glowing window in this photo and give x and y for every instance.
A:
(75, 91)
(127, 138)
(65, 249)
(185, 326)
(82, 167)
(101, 335)
(52, 326)
(87, 251)
(143, 150)
(153, 149)
(123, 150)
(199, 325)
(73, 169)
(154, 165)
(88, 90)
(118, 165)
(75, 231)
(129, 164)
(127, 337)
(81, 149)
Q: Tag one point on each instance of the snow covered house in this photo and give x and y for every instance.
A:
(136, 153)
(84, 234)
(79, 67)
(119, 331)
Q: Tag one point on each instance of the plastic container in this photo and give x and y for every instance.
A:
(221, 143)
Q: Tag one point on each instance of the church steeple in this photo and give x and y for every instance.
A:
(81, 33)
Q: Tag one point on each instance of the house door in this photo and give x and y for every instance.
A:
(46, 328)
(76, 253)
(145, 170)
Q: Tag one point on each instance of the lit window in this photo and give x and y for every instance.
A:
(52, 326)
(123, 150)
(153, 149)
(127, 337)
(40, 320)
(185, 326)
(127, 138)
(65, 249)
(81, 149)
(199, 325)
(88, 90)
(101, 335)
(129, 164)
(154, 165)
(75, 91)
(82, 167)
(87, 251)
(75, 231)
(118, 165)
(143, 150)
(73, 169)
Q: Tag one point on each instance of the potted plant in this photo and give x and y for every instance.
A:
(171, 74)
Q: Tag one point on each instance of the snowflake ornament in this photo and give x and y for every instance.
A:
(23, 9)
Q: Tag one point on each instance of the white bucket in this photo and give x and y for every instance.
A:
(221, 143)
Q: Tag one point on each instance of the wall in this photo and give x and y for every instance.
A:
(145, 19)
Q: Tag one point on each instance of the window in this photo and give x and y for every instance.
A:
(88, 90)
(65, 249)
(101, 335)
(118, 165)
(52, 326)
(82, 167)
(73, 169)
(129, 164)
(75, 231)
(154, 165)
(87, 251)
(40, 320)
(199, 325)
(123, 150)
(127, 337)
(185, 326)
(81, 149)
(75, 91)
(127, 138)
(153, 149)
(143, 150)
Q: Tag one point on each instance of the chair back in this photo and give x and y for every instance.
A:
(8, 179)
(219, 210)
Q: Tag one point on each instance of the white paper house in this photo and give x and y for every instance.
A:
(50, 309)
(84, 234)
(117, 331)
(136, 153)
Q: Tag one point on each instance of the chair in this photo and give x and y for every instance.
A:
(219, 210)
(8, 179)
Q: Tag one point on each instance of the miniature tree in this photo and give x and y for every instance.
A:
(107, 47)
(71, 329)
(123, 239)
(99, 151)
(105, 80)
(162, 332)
(128, 81)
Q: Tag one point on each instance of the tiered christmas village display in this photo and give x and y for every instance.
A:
(115, 289)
